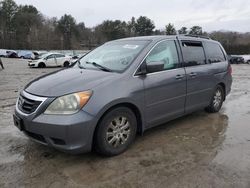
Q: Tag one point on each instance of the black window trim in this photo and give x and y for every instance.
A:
(193, 41)
(222, 50)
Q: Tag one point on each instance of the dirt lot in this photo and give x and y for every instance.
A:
(199, 150)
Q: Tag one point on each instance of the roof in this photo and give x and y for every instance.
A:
(162, 37)
(51, 53)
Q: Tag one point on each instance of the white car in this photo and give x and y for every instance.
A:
(51, 60)
(3, 53)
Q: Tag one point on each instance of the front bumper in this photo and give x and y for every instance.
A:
(68, 133)
(32, 65)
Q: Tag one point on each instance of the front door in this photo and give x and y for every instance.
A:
(51, 60)
(165, 91)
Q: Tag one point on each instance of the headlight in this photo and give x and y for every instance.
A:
(69, 104)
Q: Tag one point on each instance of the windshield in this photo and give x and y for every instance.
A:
(114, 56)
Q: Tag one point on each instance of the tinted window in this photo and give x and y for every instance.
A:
(214, 53)
(193, 53)
(165, 52)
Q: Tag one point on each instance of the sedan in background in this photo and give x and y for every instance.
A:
(11, 54)
(51, 60)
(236, 60)
(25, 54)
(3, 53)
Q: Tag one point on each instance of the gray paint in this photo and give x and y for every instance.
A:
(159, 97)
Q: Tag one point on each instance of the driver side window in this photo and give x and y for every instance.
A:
(166, 53)
(50, 57)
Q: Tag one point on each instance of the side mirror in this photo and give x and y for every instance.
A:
(155, 66)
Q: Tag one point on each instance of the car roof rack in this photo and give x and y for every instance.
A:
(196, 36)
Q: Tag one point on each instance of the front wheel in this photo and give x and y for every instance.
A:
(41, 65)
(217, 100)
(115, 132)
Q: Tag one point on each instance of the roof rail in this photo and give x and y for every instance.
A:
(196, 36)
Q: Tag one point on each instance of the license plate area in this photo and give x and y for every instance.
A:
(18, 122)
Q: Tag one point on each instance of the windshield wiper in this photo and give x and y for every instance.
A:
(99, 66)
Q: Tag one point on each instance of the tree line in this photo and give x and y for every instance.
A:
(24, 27)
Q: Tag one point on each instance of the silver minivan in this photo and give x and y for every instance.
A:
(122, 88)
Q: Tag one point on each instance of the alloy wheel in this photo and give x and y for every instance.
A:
(118, 131)
(217, 99)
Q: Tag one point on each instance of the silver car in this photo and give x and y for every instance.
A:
(122, 88)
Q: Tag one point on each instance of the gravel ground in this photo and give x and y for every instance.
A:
(198, 150)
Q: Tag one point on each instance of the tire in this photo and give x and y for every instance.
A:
(115, 132)
(217, 100)
(66, 64)
(41, 65)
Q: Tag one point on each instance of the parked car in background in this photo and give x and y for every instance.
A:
(104, 101)
(11, 54)
(39, 54)
(25, 54)
(51, 60)
(74, 60)
(246, 59)
(3, 53)
(75, 56)
(36, 54)
(236, 60)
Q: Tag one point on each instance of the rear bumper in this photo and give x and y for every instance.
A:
(229, 85)
(68, 133)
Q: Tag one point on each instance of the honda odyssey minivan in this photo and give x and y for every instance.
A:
(122, 88)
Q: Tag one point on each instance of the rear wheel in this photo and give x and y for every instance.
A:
(66, 64)
(217, 100)
(41, 65)
(115, 132)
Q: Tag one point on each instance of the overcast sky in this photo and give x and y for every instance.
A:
(212, 15)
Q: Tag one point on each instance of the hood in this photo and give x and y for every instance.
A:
(67, 81)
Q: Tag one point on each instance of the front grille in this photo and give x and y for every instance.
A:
(26, 105)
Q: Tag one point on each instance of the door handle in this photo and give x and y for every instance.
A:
(193, 74)
(179, 77)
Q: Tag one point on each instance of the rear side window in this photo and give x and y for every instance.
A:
(214, 52)
(193, 53)
(164, 52)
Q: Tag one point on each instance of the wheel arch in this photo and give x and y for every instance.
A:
(41, 63)
(135, 109)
